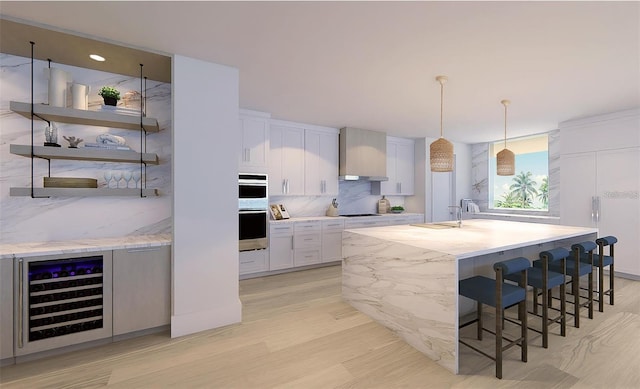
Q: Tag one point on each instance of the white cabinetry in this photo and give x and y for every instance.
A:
(6, 308)
(307, 243)
(600, 181)
(400, 168)
(321, 162)
(286, 160)
(254, 144)
(280, 246)
(141, 289)
(332, 240)
(405, 219)
(253, 261)
(365, 222)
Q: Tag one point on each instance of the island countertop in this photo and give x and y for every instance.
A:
(9, 250)
(476, 237)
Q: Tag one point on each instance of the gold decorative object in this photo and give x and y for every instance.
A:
(441, 151)
(506, 159)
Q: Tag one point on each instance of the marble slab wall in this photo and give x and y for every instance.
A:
(353, 197)
(23, 219)
(480, 176)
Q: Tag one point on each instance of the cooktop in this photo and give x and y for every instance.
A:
(362, 214)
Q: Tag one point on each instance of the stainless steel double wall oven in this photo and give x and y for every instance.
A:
(253, 206)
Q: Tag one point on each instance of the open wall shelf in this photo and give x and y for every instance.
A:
(81, 116)
(84, 154)
(82, 192)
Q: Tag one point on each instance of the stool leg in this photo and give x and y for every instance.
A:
(523, 331)
(611, 276)
(545, 319)
(479, 330)
(563, 310)
(601, 287)
(535, 301)
(591, 295)
(499, 313)
(575, 290)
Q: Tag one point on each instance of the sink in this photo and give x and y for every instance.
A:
(436, 226)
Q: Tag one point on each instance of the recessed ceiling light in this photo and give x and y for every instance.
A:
(96, 57)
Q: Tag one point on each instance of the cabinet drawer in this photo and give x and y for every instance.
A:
(306, 257)
(301, 241)
(332, 225)
(310, 226)
(364, 223)
(253, 261)
(281, 229)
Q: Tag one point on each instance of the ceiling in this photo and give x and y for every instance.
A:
(373, 65)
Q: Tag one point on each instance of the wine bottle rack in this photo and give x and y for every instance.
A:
(65, 297)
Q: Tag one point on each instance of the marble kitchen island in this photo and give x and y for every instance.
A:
(406, 277)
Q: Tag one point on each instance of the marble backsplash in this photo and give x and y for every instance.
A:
(353, 197)
(23, 219)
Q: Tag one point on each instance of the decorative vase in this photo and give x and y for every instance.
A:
(110, 101)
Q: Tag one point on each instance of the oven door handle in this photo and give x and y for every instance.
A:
(246, 211)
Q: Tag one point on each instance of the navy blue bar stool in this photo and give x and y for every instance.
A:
(499, 295)
(601, 261)
(540, 278)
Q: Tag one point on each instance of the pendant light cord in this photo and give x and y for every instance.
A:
(441, 105)
(505, 126)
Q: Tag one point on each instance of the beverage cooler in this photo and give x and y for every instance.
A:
(62, 300)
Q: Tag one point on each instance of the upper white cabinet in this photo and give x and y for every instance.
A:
(254, 144)
(321, 162)
(400, 168)
(286, 160)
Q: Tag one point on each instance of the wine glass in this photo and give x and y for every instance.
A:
(136, 177)
(117, 175)
(127, 177)
(108, 175)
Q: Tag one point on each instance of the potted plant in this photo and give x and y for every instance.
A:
(397, 209)
(110, 95)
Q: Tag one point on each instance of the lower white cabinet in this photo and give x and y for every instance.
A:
(253, 261)
(280, 246)
(6, 308)
(141, 288)
(307, 243)
(332, 240)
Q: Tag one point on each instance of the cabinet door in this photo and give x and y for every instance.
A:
(618, 188)
(6, 308)
(404, 169)
(578, 186)
(332, 246)
(321, 163)
(141, 289)
(390, 187)
(253, 261)
(280, 252)
(286, 160)
(254, 145)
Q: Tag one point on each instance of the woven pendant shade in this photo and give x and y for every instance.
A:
(441, 151)
(506, 159)
(506, 163)
(441, 156)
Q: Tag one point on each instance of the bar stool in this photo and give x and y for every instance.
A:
(601, 261)
(499, 295)
(544, 280)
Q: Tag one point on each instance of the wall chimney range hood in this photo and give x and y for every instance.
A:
(363, 155)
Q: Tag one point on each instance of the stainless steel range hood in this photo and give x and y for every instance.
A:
(363, 155)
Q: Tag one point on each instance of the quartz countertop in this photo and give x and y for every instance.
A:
(322, 218)
(476, 237)
(32, 249)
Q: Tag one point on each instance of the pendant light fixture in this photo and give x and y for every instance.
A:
(506, 160)
(441, 151)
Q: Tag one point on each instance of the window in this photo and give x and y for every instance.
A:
(528, 189)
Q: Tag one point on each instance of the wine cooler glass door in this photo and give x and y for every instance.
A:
(62, 300)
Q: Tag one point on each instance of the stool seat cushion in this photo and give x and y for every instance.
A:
(534, 278)
(483, 290)
(606, 260)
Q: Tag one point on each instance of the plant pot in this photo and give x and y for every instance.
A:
(110, 101)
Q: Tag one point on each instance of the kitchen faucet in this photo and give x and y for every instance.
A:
(458, 214)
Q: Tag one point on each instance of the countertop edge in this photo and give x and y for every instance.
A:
(33, 249)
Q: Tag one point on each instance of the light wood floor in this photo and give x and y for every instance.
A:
(298, 333)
